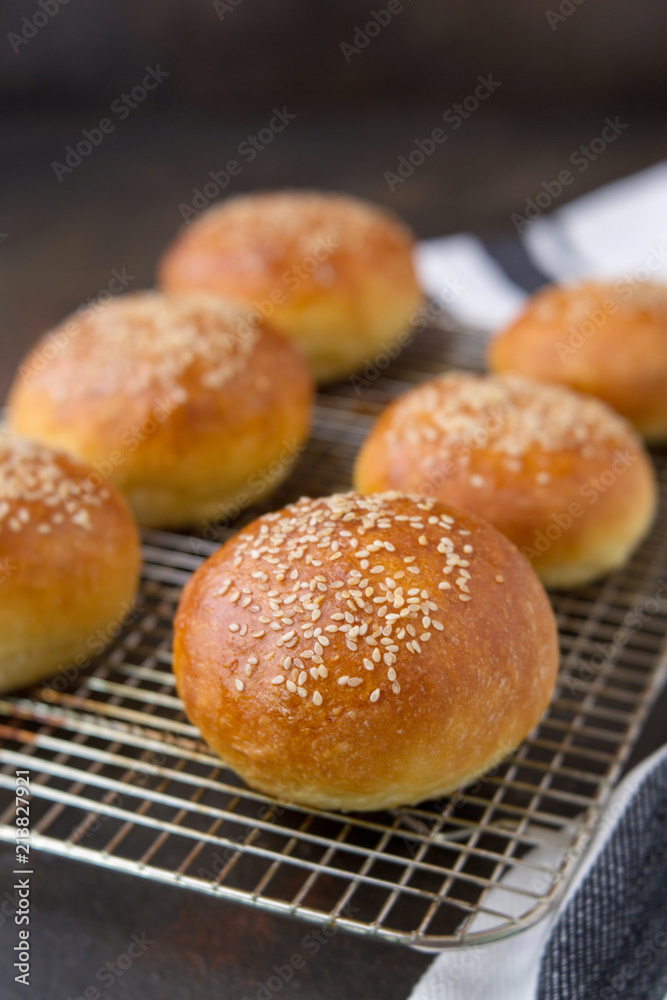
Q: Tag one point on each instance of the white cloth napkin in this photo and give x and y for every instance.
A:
(617, 231)
(509, 969)
(458, 272)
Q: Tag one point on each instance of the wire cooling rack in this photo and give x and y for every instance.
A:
(120, 778)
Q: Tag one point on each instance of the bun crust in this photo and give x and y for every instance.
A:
(69, 561)
(332, 273)
(562, 476)
(180, 401)
(609, 340)
(364, 652)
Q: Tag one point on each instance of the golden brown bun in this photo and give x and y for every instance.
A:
(609, 340)
(333, 273)
(69, 561)
(364, 652)
(565, 478)
(178, 399)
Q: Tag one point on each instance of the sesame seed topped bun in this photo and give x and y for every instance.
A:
(331, 272)
(607, 339)
(562, 475)
(69, 561)
(180, 400)
(359, 652)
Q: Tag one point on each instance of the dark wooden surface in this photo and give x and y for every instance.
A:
(233, 54)
(116, 211)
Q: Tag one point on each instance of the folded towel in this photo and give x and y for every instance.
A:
(458, 272)
(619, 230)
(607, 938)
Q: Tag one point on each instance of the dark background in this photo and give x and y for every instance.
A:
(355, 117)
(61, 240)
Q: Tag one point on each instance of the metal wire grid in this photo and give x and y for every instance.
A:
(120, 778)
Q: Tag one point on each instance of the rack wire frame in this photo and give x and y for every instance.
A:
(119, 777)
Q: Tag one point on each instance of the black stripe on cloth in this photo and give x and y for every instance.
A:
(611, 941)
(510, 254)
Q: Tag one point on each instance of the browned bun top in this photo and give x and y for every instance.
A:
(333, 273)
(144, 343)
(49, 493)
(257, 237)
(608, 339)
(356, 652)
(69, 560)
(527, 456)
(515, 418)
(178, 399)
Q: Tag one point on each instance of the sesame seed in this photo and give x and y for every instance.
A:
(375, 694)
(234, 627)
(317, 698)
(239, 684)
(278, 679)
(367, 612)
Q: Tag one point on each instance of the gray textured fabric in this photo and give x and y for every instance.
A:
(610, 943)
